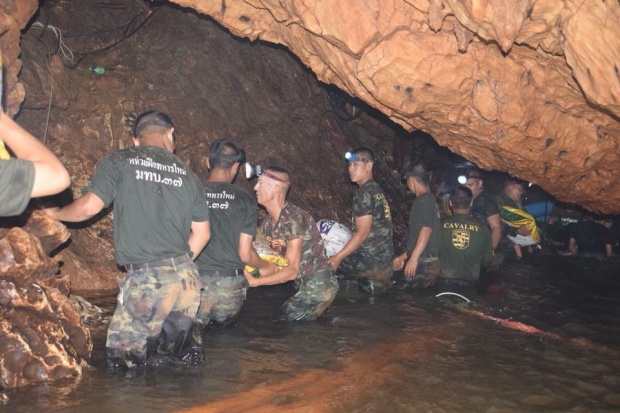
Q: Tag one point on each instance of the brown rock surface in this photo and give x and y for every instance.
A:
(530, 87)
(41, 334)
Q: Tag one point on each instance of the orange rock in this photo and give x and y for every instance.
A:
(531, 88)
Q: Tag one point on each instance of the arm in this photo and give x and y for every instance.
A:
(495, 224)
(50, 176)
(363, 225)
(83, 208)
(572, 245)
(248, 254)
(486, 256)
(293, 255)
(199, 237)
(608, 250)
(420, 245)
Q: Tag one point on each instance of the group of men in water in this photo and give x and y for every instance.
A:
(186, 245)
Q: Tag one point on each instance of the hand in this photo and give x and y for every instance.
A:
(398, 263)
(252, 280)
(411, 267)
(335, 262)
(523, 230)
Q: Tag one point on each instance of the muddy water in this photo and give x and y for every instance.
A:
(545, 337)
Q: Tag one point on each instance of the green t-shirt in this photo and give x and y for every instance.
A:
(16, 182)
(294, 223)
(424, 213)
(465, 248)
(156, 197)
(379, 245)
(232, 211)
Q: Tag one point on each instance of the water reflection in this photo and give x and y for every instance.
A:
(406, 352)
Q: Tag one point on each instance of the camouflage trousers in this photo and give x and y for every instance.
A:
(315, 294)
(221, 298)
(356, 266)
(156, 307)
(426, 273)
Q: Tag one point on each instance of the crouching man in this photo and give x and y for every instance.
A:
(292, 232)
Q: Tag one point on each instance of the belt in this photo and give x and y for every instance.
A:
(159, 263)
(221, 273)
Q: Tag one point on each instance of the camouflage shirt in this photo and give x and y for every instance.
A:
(294, 223)
(483, 207)
(369, 200)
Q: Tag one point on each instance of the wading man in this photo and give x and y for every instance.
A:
(421, 260)
(465, 243)
(161, 221)
(233, 218)
(368, 254)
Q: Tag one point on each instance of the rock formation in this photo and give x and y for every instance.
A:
(41, 334)
(528, 87)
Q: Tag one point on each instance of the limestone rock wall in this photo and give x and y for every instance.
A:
(42, 337)
(528, 87)
(14, 15)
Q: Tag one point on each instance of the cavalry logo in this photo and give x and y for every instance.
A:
(460, 238)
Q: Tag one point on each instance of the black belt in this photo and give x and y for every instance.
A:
(221, 273)
(159, 263)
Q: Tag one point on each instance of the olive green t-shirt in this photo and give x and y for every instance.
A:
(424, 213)
(232, 211)
(16, 182)
(465, 248)
(156, 197)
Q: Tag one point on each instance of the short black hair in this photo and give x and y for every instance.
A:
(364, 152)
(152, 119)
(223, 154)
(419, 172)
(461, 198)
(473, 173)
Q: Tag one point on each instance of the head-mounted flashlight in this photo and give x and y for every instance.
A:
(352, 157)
(252, 170)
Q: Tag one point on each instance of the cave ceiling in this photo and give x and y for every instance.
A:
(528, 87)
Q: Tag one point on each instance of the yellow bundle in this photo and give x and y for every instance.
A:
(4, 154)
(516, 217)
(264, 250)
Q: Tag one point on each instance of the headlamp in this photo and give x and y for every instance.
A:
(462, 179)
(252, 170)
(352, 157)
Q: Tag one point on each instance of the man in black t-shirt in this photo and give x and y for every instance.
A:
(591, 237)
(484, 207)
(233, 216)
(161, 222)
